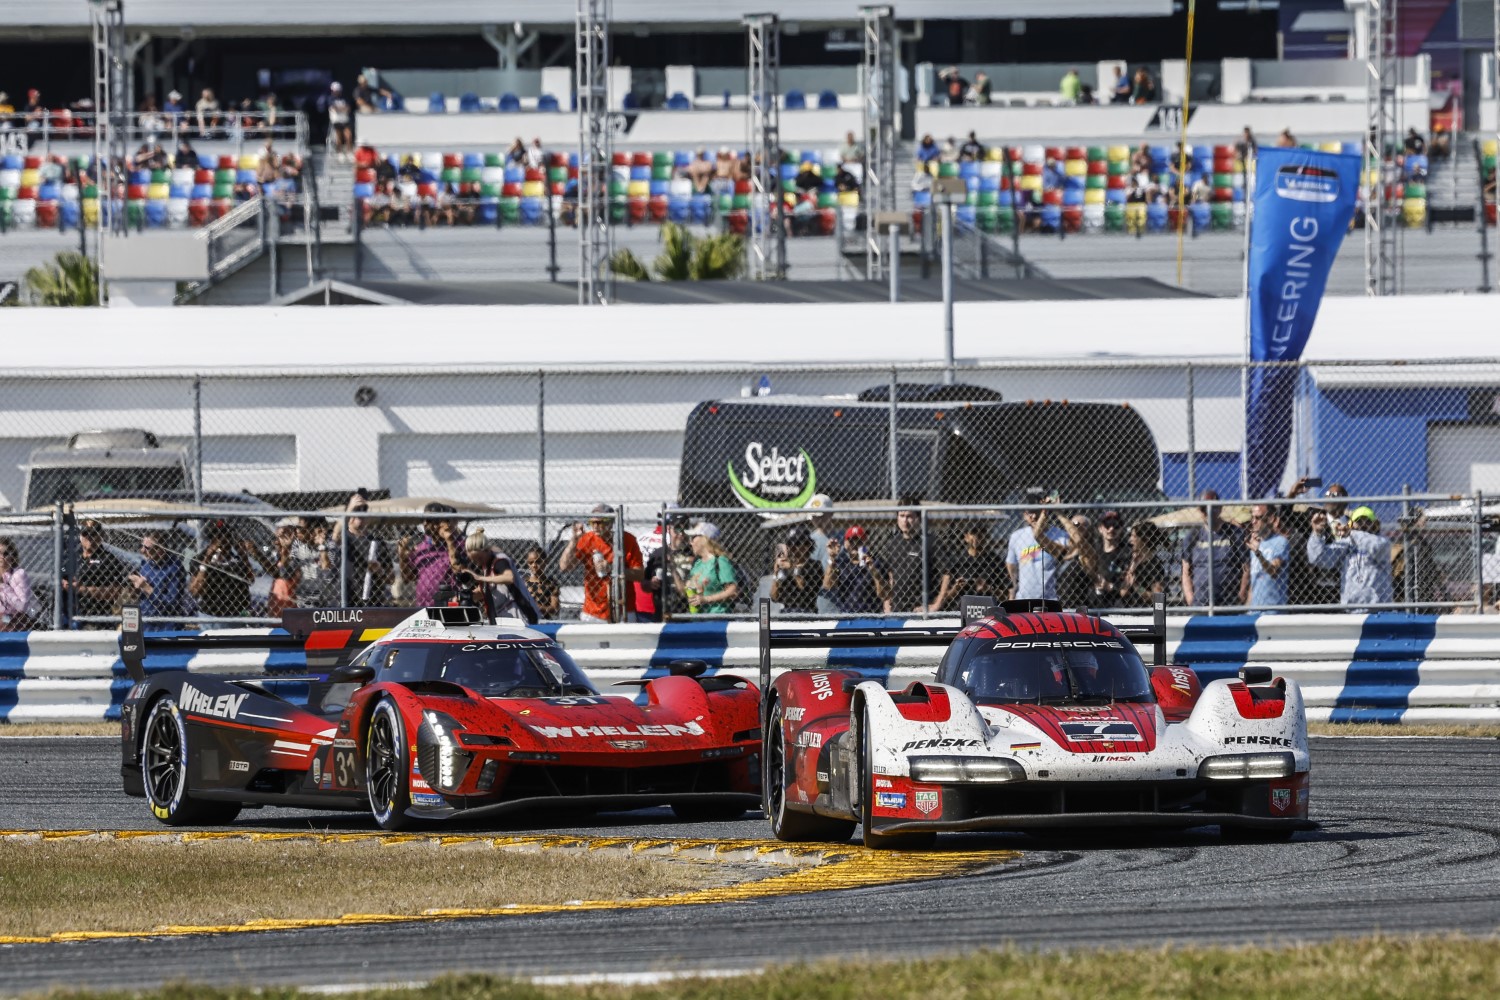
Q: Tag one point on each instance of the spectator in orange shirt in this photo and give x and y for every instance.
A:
(594, 549)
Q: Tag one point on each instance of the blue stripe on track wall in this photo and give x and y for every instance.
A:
(874, 663)
(1216, 646)
(1383, 670)
(14, 648)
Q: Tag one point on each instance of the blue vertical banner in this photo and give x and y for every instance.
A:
(1303, 203)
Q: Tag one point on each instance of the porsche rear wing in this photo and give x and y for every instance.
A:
(971, 609)
(329, 636)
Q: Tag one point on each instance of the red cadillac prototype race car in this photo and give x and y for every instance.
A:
(427, 716)
(1037, 719)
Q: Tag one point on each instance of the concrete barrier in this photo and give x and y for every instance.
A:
(1383, 668)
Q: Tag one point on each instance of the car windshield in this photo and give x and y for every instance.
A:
(67, 483)
(1059, 672)
(528, 669)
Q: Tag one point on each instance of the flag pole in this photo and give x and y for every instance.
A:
(1249, 182)
(1182, 150)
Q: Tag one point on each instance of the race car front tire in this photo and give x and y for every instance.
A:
(787, 824)
(388, 767)
(164, 771)
(873, 838)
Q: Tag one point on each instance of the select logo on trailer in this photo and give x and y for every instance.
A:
(1304, 182)
(771, 479)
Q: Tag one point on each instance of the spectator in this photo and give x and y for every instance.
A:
(17, 606)
(595, 550)
(796, 575)
(1268, 560)
(1146, 576)
(1140, 160)
(1202, 192)
(160, 581)
(921, 180)
(845, 180)
(1414, 144)
(1246, 146)
(851, 151)
(220, 575)
(1319, 585)
(1123, 86)
(498, 589)
(536, 157)
(269, 109)
(544, 590)
(1214, 570)
(1413, 557)
(700, 172)
(340, 122)
(174, 106)
(35, 111)
(1034, 555)
(917, 566)
(927, 150)
(668, 567)
(1143, 87)
(186, 157)
(1359, 551)
(954, 86)
(807, 179)
(950, 150)
(854, 579)
(1286, 140)
(268, 167)
(516, 155)
(820, 525)
(100, 580)
(711, 586)
(1068, 90)
(978, 569)
(972, 149)
(1110, 562)
(368, 581)
(7, 108)
(980, 93)
(150, 115)
(1053, 174)
(365, 96)
(314, 548)
(1077, 559)
(1440, 147)
(209, 113)
(291, 171)
(431, 565)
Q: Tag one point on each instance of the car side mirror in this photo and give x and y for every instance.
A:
(1255, 675)
(349, 674)
(687, 668)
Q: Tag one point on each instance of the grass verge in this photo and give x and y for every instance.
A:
(1357, 969)
(52, 886)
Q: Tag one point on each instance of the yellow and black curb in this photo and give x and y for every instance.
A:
(793, 868)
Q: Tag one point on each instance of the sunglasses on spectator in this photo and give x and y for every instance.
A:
(361, 509)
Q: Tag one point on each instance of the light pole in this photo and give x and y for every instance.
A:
(948, 192)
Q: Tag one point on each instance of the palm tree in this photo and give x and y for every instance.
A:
(686, 258)
(69, 280)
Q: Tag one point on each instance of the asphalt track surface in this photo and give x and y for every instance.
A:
(1410, 842)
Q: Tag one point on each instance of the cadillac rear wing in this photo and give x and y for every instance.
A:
(329, 636)
(971, 609)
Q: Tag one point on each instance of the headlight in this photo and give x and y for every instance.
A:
(1248, 767)
(952, 770)
(444, 726)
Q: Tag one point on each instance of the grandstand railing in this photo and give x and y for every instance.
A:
(61, 131)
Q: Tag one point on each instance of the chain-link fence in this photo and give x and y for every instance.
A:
(537, 449)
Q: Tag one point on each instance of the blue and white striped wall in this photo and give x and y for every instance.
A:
(1384, 668)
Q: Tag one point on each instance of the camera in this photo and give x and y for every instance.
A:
(464, 578)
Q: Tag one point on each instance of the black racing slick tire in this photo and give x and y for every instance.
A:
(866, 778)
(388, 768)
(787, 824)
(707, 812)
(164, 772)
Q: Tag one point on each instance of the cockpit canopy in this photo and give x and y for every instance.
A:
(1057, 668)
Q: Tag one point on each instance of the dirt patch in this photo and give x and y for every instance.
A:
(103, 884)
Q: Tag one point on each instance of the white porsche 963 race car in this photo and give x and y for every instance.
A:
(1037, 719)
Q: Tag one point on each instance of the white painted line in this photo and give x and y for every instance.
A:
(638, 978)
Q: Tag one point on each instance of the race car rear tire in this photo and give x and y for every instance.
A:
(164, 771)
(787, 824)
(707, 812)
(873, 838)
(388, 767)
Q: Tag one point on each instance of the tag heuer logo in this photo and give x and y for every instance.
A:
(927, 802)
(628, 744)
(1281, 799)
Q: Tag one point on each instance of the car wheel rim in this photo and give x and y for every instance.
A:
(163, 758)
(382, 755)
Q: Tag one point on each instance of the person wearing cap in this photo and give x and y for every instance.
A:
(855, 580)
(916, 564)
(796, 577)
(1269, 551)
(712, 585)
(97, 587)
(594, 549)
(368, 582)
(668, 564)
(340, 122)
(820, 525)
(174, 105)
(978, 569)
(1359, 551)
(431, 566)
(159, 580)
(1214, 570)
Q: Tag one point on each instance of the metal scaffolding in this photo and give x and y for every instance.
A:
(595, 152)
(110, 87)
(877, 82)
(1383, 126)
(767, 230)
